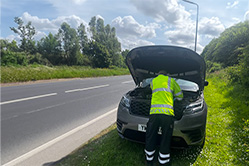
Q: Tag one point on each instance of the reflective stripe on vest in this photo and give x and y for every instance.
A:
(162, 89)
(162, 106)
(167, 111)
(179, 96)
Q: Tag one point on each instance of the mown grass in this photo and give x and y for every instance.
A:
(39, 72)
(227, 140)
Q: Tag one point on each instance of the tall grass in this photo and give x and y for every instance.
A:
(227, 136)
(227, 124)
(39, 72)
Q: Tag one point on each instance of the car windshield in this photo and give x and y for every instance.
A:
(184, 84)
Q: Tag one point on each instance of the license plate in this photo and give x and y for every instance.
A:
(142, 127)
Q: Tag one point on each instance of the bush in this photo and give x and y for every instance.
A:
(38, 59)
(9, 58)
(244, 67)
(13, 58)
(83, 60)
(213, 66)
(233, 74)
(239, 73)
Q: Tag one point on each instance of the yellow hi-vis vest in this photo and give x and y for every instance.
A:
(164, 90)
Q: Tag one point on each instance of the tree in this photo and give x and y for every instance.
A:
(82, 37)
(114, 47)
(10, 46)
(125, 53)
(26, 33)
(92, 25)
(108, 30)
(10, 54)
(106, 36)
(50, 48)
(101, 36)
(70, 44)
(224, 50)
(244, 63)
(99, 55)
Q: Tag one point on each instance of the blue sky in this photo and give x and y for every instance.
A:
(137, 22)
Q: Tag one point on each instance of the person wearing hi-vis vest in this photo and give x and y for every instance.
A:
(164, 91)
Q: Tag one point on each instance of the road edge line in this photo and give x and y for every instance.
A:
(57, 139)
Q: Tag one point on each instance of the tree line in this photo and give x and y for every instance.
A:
(230, 51)
(68, 46)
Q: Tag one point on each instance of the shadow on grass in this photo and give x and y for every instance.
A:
(238, 104)
(110, 150)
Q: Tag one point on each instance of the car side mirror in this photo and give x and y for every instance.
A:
(206, 83)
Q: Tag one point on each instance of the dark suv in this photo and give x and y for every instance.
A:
(188, 69)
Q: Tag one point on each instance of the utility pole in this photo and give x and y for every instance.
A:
(196, 30)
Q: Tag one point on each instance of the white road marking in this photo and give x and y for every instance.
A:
(50, 143)
(27, 98)
(41, 109)
(127, 82)
(94, 87)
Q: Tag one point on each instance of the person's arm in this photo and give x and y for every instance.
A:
(177, 91)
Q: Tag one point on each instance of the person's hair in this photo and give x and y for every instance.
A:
(163, 72)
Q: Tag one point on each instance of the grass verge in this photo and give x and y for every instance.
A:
(226, 141)
(38, 72)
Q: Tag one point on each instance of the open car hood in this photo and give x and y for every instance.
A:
(146, 62)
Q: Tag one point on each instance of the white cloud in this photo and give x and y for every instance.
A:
(38, 23)
(73, 21)
(199, 48)
(67, 7)
(39, 35)
(13, 37)
(182, 28)
(132, 42)
(246, 16)
(59, 3)
(211, 26)
(163, 10)
(236, 20)
(78, 2)
(184, 38)
(180, 37)
(45, 25)
(99, 16)
(232, 5)
(128, 26)
(130, 32)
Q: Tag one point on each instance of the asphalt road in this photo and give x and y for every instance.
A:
(34, 114)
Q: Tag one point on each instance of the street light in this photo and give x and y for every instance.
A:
(196, 20)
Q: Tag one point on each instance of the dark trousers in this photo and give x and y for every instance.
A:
(155, 122)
